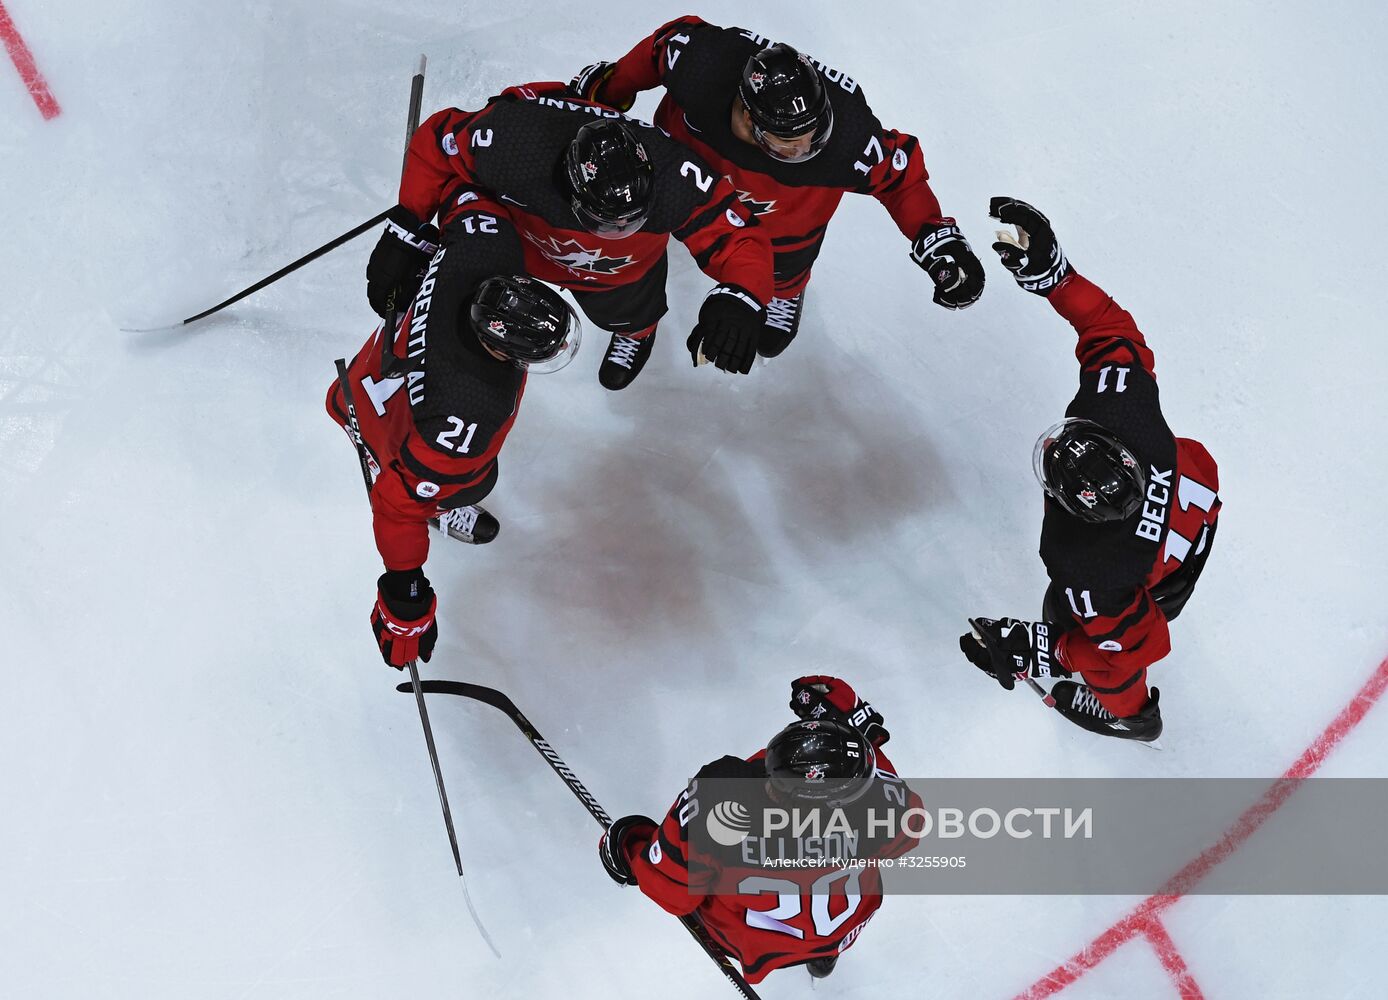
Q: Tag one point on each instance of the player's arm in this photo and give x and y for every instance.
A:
(723, 235)
(433, 163)
(893, 171)
(637, 851)
(897, 797)
(643, 68)
(437, 158)
(1120, 634)
(1107, 332)
(1112, 634)
(734, 251)
(404, 497)
(418, 484)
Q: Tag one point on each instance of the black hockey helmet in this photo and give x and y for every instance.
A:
(611, 181)
(526, 321)
(820, 760)
(1089, 472)
(786, 99)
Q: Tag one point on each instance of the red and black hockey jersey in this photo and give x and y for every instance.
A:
(1106, 574)
(758, 899)
(511, 151)
(434, 407)
(700, 65)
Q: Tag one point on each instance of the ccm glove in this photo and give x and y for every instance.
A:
(396, 266)
(819, 696)
(1032, 255)
(403, 618)
(612, 847)
(729, 326)
(588, 84)
(944, 254)
(1007, 648)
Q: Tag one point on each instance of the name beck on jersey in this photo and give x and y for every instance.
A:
(1154, 511)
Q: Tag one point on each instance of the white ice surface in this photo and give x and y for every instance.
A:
(208, 787)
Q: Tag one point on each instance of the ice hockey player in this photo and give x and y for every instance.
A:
(596, 196)
(831, 759)
(1130, 511)
(793, 136)
(436, 401)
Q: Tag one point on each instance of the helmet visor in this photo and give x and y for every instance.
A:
(563, 353)
(796, 148)
(615, 227)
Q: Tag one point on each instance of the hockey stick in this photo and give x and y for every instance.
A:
(500, 701)
(416, 97)
(354, 431)
(392, 309)
(351, 234)
(1041, 692)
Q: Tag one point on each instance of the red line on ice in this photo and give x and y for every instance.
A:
(1144, 919)
(23, 61)
(1172, 961)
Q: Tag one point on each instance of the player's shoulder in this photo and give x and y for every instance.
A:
(461, 397)
(705, 43)
(731, 767)
(1125, 399)
(855, 147)
(684, 180)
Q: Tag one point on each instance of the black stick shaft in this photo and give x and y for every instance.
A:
(1040, 691)
(393, 309)
(499, 700)
(354, 425)
(434, 762)
(416, 100)
(351, 234)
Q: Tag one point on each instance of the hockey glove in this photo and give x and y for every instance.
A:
(1032, 255)
(1006, 649)
(396, 266)
(612, 847)
(588, 84)
(944, 254)
(818, 697)
(403, 618)
(729, 326)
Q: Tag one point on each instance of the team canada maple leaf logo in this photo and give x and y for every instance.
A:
(576, 257)
(756, 80)
(497, 327)
(1089, 498)
(814, 773)
(589, 169)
